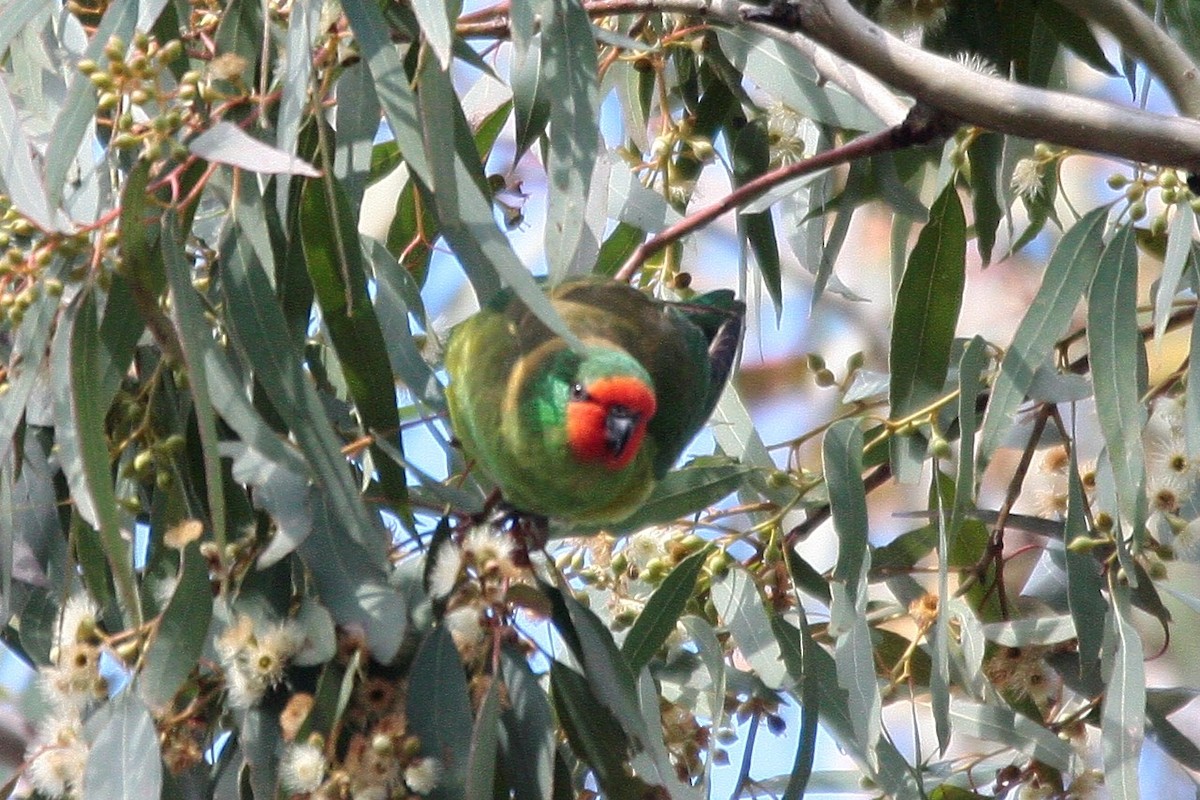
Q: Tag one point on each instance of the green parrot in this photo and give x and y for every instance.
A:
(584, 436)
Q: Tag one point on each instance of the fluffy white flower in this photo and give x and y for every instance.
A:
(464, 626)
(484, 545)
(646, 545)
(422, 775)
(446, 567)
(58, 756)
(1027, 178)
(74, 680)
(303, 768)
(78, 621)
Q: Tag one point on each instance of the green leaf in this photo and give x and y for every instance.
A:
(986, 153)
(1179, 245)
(437, 24)
(1069, 272)
(353, 584)
(1114, 344)
(593, 732)
(684, 492)
(196, 343)
(531, 98)
(1002, 725)
(1084, 581)
(752, 158)
(924, 319)
(466, 215)
(334, 258)
(738, 604)
(182, 632)
(392, 85)
(26, 361)
(797, 646)
(258, 326)
(481, 762)
(842, 458)
(83, 448)
(1074, 33)
(123, 762)
(608, 673)
(783, 73)
(662, 610)
(569, 67)
(79, 106)
(1123, 712)
(240, 32)
(439, 708)
(18, 174)
(894, 775)
(527, 737)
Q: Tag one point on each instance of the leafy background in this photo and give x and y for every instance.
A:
(241, 553)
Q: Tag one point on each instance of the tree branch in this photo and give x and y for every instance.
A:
(987, 101)
(1138, 34)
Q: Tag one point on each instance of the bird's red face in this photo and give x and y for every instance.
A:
(606, 420)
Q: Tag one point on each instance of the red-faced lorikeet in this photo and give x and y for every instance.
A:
(584, 436)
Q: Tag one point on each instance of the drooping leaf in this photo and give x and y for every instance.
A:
(182, 631)
(751, 158)
(569, 67)
(1114, 348)
(439, 709)
(924, 319)
(658, 618)
(1123, 712)
(1068, 273)
(740, 607)
(123, 762)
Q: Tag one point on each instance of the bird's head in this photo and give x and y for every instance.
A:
(611, 400)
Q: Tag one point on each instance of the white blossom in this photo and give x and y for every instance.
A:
(422, 775)
(58, 756)
(302, 768)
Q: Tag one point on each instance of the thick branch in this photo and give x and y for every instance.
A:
(1138, 34)
(987, 101)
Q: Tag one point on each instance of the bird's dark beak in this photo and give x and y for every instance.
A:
(619, 425)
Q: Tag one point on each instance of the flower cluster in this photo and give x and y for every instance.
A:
(57, 756)
(254, 659)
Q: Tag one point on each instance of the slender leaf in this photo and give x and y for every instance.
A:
(1123, 713)
(527, 736)
(1179, 246)
(18, 174)
(685, 491)
(1069, 272)
(439, 709)
(124, 762)
(77, 112)
(1003, 725)
(481, 762)
(658, 618)
(436, 18)
(182, 631)
(569, 66)
(925, 316)
(740, 607)
(191, 329)
(335, 264)
(1115, 346)
(75, 361)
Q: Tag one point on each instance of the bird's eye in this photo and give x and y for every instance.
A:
(578, 392)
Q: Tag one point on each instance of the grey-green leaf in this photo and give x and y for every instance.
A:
(1069, 272)
(124, 761)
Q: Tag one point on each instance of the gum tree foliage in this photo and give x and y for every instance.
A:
(211, 378)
